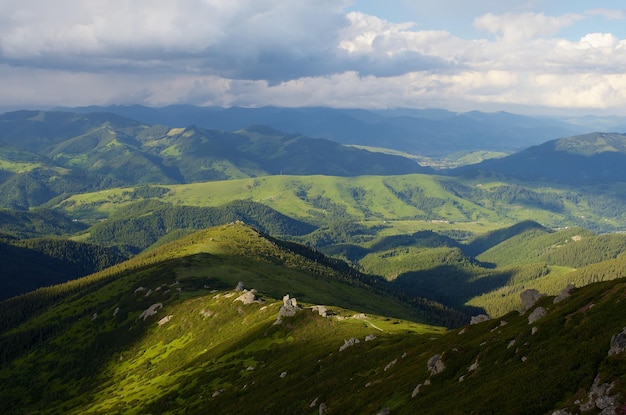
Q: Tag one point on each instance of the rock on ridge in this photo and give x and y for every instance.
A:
(479, 319)
(289, 309)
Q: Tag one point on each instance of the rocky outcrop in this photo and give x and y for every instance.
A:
(600, 397)
(289, 309)
(618, 343)
(565, 293)
(529, 298)
(537, 313)
(435, 365)
(240, 286)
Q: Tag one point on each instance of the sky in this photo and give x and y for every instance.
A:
(524, 56)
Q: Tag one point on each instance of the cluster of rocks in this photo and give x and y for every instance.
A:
(599, 398)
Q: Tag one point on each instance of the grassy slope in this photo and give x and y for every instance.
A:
(77, 354)
(217, 355)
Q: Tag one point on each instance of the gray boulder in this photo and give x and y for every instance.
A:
(435, 364)
(529, 298)
(618, 343)
(536, 314)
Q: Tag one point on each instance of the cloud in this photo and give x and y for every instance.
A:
(525, 26)
(285, 52)
(212, 36)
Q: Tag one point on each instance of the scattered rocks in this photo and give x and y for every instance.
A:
(139, 289)
(435, 365)
(207, 313)
(384, 411)
(240, 286)
(150, 311)
(323, 408)
(618, 343)
(94, 316)
(537, 313)
(117, 310)
(349, 343)
(283, 374)
(534, 330)
(566, 292)
(529, 298)
(473, 366)
(479, 319)
(369, 337)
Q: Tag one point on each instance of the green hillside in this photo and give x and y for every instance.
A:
(41, 152)
(28, 264)
(94, 346)
(38, 222)
(142, 224)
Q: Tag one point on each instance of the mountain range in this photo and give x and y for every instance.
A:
(200, 260)
(427, 132)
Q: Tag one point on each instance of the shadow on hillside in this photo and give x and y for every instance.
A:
(450, 285)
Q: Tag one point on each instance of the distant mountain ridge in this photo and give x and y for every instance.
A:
(429, 132)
